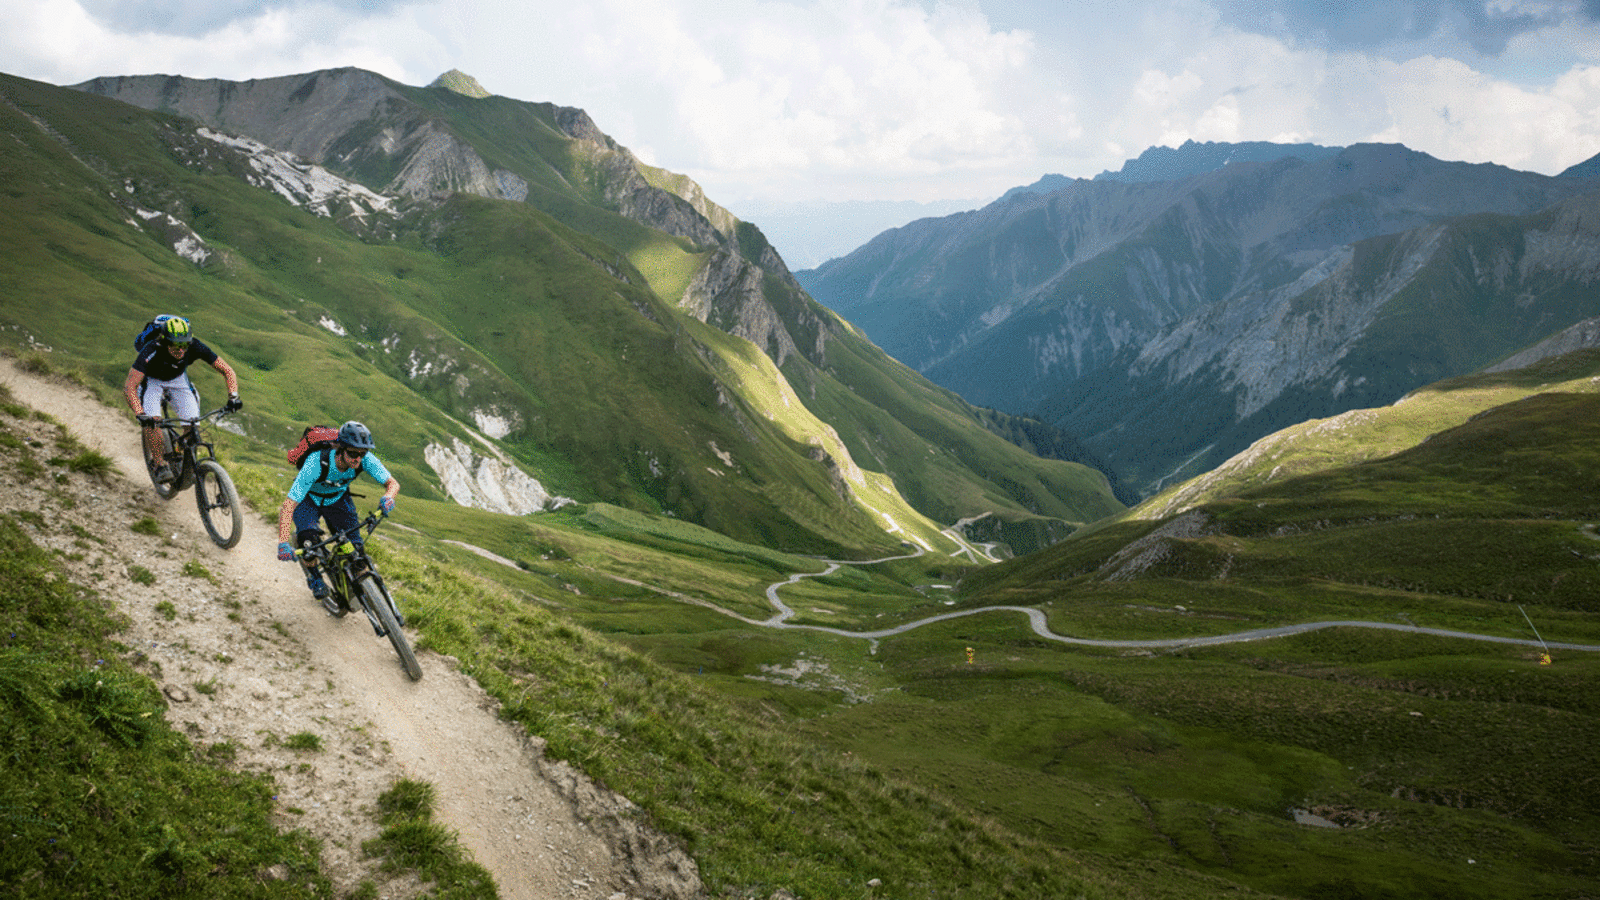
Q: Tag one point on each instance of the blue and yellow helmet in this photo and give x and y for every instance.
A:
(177, 330)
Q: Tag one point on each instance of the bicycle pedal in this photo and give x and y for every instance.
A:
(334, 608)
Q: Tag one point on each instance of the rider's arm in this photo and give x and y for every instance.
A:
(378, 472)
(130, 389)
(286, 520)
(227, 373)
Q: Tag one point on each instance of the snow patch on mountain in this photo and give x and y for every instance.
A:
(484, 482)
(177, 234)
(305, 185)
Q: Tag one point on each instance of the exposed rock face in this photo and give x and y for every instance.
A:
(313, 117)
(488, 482)
(730, 290)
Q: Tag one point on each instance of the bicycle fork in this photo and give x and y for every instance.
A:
(382, 597)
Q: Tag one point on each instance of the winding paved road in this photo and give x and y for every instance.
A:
(1041, 625)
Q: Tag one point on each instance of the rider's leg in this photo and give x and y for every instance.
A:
(306, 532)
(183, 399)
(341, 516)
(150, 399)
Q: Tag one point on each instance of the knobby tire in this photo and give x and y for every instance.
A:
(218, 501)
(377, 598)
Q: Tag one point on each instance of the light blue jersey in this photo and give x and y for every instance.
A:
(324, 491)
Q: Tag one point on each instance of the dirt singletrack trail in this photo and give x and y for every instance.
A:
(247, 659)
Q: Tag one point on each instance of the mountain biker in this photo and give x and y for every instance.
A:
(158, 372)
(322, 490)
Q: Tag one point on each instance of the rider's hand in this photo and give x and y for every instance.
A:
(234, 403)
(285, 552)
(146, 419)
(387, 505)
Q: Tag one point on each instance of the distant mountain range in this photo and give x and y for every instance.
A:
(507, 295)
(1204, 297)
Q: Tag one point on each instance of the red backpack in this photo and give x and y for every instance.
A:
(314, 440)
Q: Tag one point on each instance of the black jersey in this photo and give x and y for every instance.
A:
(155, 362)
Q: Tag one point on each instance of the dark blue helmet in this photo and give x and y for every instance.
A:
(355, 436)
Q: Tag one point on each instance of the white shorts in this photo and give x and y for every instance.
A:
(183, 402)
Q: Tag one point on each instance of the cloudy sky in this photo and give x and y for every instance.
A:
(924, 100)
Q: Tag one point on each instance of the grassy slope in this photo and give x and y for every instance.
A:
(1366, 434)
(501, 309)
(1437, 751)
(442, 312)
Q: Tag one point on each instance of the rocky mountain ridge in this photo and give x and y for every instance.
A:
(1172, 322)
(354, 121)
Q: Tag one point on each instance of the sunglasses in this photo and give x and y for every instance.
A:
(352, 455)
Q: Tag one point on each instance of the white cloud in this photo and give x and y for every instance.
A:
(909, 99)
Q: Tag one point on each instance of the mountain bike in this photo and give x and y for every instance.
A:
(352, 576)
(193, 463)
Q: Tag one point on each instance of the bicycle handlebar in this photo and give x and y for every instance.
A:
(217, 413)
(319, 549)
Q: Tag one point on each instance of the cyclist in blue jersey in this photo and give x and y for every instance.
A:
(158, 373)
(322, 491)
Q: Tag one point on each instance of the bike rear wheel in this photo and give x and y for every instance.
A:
(218, 501)
(378, 601)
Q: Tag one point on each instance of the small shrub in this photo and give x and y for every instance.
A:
(193, 569)
(147, 526)
(166, 610)
(91, 462)
(113, 703)
(303, 740)
(406, 799)
(34, 364)
(141, 575)
(415, 844)
(412, 840)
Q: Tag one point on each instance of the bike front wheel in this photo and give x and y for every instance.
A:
(214, 493)
(378, 601)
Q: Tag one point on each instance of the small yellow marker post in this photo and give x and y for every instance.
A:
(969, 656)
(1544, 659)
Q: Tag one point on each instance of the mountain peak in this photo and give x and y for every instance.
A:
(460, 82)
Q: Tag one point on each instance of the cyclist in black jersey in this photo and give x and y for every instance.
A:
(158, 373)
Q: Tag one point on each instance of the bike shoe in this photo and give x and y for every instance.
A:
(334, 607)
(319, 588)
(164, 475)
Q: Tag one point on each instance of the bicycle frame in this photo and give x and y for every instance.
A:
(184, 443)
(193, 462)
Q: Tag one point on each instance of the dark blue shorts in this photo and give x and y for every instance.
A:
(340, 516)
